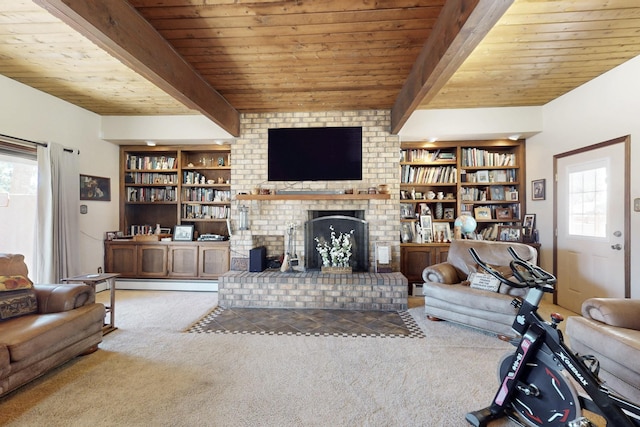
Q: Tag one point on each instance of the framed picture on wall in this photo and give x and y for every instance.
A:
(538, 189)
(95, 188)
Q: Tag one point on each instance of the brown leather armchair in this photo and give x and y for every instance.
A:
(609, 329)
(448, 296)
(43, 326)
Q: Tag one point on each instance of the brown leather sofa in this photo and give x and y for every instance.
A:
(64, 322)
(609, 329)
(448, 296)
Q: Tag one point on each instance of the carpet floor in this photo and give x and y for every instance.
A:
(150, 372)
(309, 322)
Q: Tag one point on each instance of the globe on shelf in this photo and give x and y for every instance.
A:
(466, 224)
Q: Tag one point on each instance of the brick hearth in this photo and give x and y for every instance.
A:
(313, 289)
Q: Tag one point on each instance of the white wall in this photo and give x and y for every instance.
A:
(33, 115)
(601, 110)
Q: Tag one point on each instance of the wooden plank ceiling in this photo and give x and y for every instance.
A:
(275, 55)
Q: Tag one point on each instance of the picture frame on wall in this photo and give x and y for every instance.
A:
(538, 189)
(510, 233)
(95, 188)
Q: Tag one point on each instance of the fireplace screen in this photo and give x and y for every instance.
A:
(320, 228)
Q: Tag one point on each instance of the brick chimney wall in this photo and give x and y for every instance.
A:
(269, 219)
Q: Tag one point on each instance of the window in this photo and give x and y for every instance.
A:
(588, 201)
(18, 202)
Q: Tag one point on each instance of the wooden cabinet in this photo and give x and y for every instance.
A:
(158, 260)
(415, 257)
(121, 258)
(152, 260)
(213, 261)
(182, 260)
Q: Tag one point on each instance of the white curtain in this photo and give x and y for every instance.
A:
(57, 233)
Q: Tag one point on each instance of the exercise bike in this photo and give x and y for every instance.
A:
(537, 380)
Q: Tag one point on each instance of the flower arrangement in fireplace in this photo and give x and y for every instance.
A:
(338, 253)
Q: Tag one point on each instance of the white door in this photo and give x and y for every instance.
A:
(590, 200)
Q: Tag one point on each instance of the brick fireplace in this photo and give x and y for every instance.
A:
(269, 220)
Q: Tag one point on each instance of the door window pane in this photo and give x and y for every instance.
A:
(588, 202)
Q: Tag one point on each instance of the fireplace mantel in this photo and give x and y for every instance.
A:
(313, 196)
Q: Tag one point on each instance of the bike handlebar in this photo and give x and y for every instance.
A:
(529, 275)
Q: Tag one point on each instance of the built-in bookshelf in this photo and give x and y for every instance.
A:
(441, 181)
(447, 179)
(165, 186)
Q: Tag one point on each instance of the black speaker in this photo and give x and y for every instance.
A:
(258, 259)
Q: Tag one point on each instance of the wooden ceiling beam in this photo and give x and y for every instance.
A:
(119, 29)
(461, 26)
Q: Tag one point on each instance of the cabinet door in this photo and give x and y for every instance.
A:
(214, 261)
(152, 261)
(414, 259)
(183, 261)
(121, 258)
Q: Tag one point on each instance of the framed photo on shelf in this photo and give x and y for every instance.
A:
(407, 210)
(529, 224)
(497, 192)
(511, 195)
(406, 232)
(383, 257)
(504, 213)
(510, 233)
(482, 176)
(183, 233)
(448, 213)
(441, 232)
(538, 189)
(482, 213)
(426, 224)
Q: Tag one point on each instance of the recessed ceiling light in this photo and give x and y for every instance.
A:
(433, 139)
(151, 143)
(514, 137)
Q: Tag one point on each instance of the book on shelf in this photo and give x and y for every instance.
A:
(134, 161)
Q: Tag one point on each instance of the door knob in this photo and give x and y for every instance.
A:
(616, 247)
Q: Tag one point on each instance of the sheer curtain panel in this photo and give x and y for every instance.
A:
(57, 234)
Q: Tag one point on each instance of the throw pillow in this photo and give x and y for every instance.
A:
(485, 282)
(14, 283)
(17, 303)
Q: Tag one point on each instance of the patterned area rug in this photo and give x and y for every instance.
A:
(309, 322)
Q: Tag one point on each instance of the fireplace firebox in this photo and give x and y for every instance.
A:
(319, 224)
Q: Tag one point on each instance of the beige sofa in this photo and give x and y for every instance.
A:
(448, 296)
(42, 326)
(609, 329)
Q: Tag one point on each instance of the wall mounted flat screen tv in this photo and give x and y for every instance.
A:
(315, 154)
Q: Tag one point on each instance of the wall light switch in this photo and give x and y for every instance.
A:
(636, 204)
(84, 209)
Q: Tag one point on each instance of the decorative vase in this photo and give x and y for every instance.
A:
(439, 210)
(336, 270)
